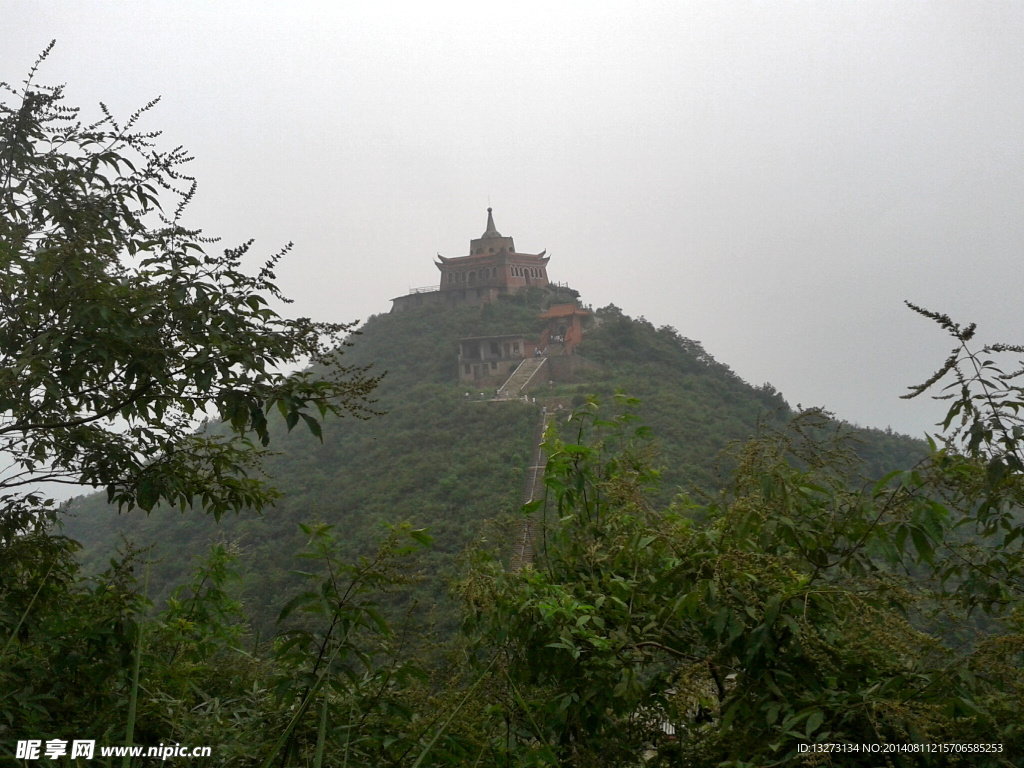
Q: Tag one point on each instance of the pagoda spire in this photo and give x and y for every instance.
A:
(491, 231)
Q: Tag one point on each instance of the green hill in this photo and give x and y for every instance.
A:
(449, 462)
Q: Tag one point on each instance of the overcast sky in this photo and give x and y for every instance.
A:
(772, 179)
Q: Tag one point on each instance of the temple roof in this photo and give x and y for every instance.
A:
(538, 259)
(563, 310)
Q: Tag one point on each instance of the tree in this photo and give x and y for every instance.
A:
(977, 470)
(124, 340)
(120, 328)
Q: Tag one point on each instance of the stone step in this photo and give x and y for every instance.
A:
(533, 489)
(521, 376)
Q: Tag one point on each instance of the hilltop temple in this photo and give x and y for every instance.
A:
(492, 267)
(513, 363)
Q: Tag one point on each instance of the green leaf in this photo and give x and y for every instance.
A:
(922, 544)
(814, 721)
(420, 536)
(314, 426)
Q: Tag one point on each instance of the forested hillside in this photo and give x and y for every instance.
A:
(449, 463)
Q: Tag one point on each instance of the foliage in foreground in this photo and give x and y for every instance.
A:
(805, 608)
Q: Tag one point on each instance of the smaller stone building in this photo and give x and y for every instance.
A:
(490, 360)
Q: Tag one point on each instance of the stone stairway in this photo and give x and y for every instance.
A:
(533, 489)
(520, 377)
